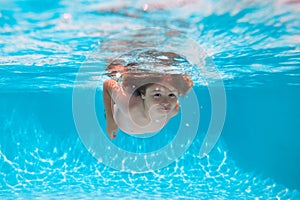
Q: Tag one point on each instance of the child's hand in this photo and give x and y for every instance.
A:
(112, 129)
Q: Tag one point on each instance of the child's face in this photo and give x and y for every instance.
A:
(160, 99)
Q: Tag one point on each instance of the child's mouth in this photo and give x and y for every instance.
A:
(164, 109)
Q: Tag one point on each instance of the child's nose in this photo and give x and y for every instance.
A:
(164, 103)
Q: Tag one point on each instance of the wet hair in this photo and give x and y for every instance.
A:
(142, 89)
(137, 84)
(148, 60)
(140, 68)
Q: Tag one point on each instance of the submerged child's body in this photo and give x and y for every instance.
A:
(143, 104)
(142, 95)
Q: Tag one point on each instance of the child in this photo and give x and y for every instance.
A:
(143, 102)
(145, 109)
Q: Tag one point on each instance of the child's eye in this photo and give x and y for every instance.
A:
(172, 95)
(157, 95)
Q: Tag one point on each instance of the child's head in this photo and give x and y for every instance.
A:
(142, 66)
(158, 98)
(135, 83)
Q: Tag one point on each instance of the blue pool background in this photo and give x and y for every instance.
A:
(254, 45)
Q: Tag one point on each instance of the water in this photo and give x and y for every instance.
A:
(255, 47)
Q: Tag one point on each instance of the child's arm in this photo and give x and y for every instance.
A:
(108, 87)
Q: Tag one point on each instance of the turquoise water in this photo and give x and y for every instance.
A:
(255, 46)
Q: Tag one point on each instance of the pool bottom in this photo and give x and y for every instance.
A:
(50, 168)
